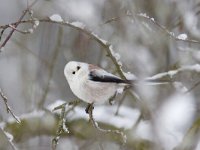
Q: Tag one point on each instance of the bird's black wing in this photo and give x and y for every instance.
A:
(105, 77)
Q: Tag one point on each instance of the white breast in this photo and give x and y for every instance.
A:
(90, 91)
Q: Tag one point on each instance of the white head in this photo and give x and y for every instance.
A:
(73, 70)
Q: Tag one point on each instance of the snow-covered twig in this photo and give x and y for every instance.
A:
(169, 75)
(43, 122)
(57, 19)
(9, 110)
(181, 37)
(125, 119)
(81, 27)
(62, 128)
(6, 140)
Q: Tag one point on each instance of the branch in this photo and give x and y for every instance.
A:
(62, 128)
(163, 28)
(14, 26)
(96, 126)
(6, 140)
(9, 110)
(170, 75)
(191, 138)
(35, 123)
(51, 67)
(152, 20)
(56, 19)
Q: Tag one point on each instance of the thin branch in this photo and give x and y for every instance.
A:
(96, 126)
(120, 103)
(9, 110)
(62, 129)
(170, 75)
(152, 20)
(79, 128)
(108, 47)
(170, 34)
(15, 26)
(6, 140)
(193, 87)
(20, 31)
(51, 68)
(191, 138)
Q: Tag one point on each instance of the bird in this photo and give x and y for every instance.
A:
(91, 83)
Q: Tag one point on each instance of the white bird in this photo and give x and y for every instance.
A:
(91, 83)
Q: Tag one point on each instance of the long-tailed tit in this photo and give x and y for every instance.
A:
(91, 83)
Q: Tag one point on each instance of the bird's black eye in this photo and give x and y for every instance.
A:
(73, 72)
(78, 67)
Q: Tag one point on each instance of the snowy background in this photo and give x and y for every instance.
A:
(154, 39)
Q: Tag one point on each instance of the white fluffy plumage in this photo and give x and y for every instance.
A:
(91, 83)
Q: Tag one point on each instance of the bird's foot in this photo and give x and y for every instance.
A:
(89, 107)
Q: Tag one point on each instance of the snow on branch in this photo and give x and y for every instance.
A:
(57, 19)
(6, 140)
(45, 122)
(181, 37)
(103, 114)
(169, 76)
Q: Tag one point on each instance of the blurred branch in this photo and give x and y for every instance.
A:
(6, 141)
(56, 19)
(120, 103)
(62, 128)
(193, 87)
(81, 27)
(14, 26)
(152, 20)
(169, 76)
(163, 28)
(191, 138)
(51, 67)
(9, 110)
(46, 123)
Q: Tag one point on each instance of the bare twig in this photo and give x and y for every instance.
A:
(108, 47)
(20, 31)
(15, 25)
(9, 110)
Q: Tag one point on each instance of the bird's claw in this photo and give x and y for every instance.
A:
(89, 108)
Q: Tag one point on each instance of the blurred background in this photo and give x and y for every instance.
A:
(150, 37)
